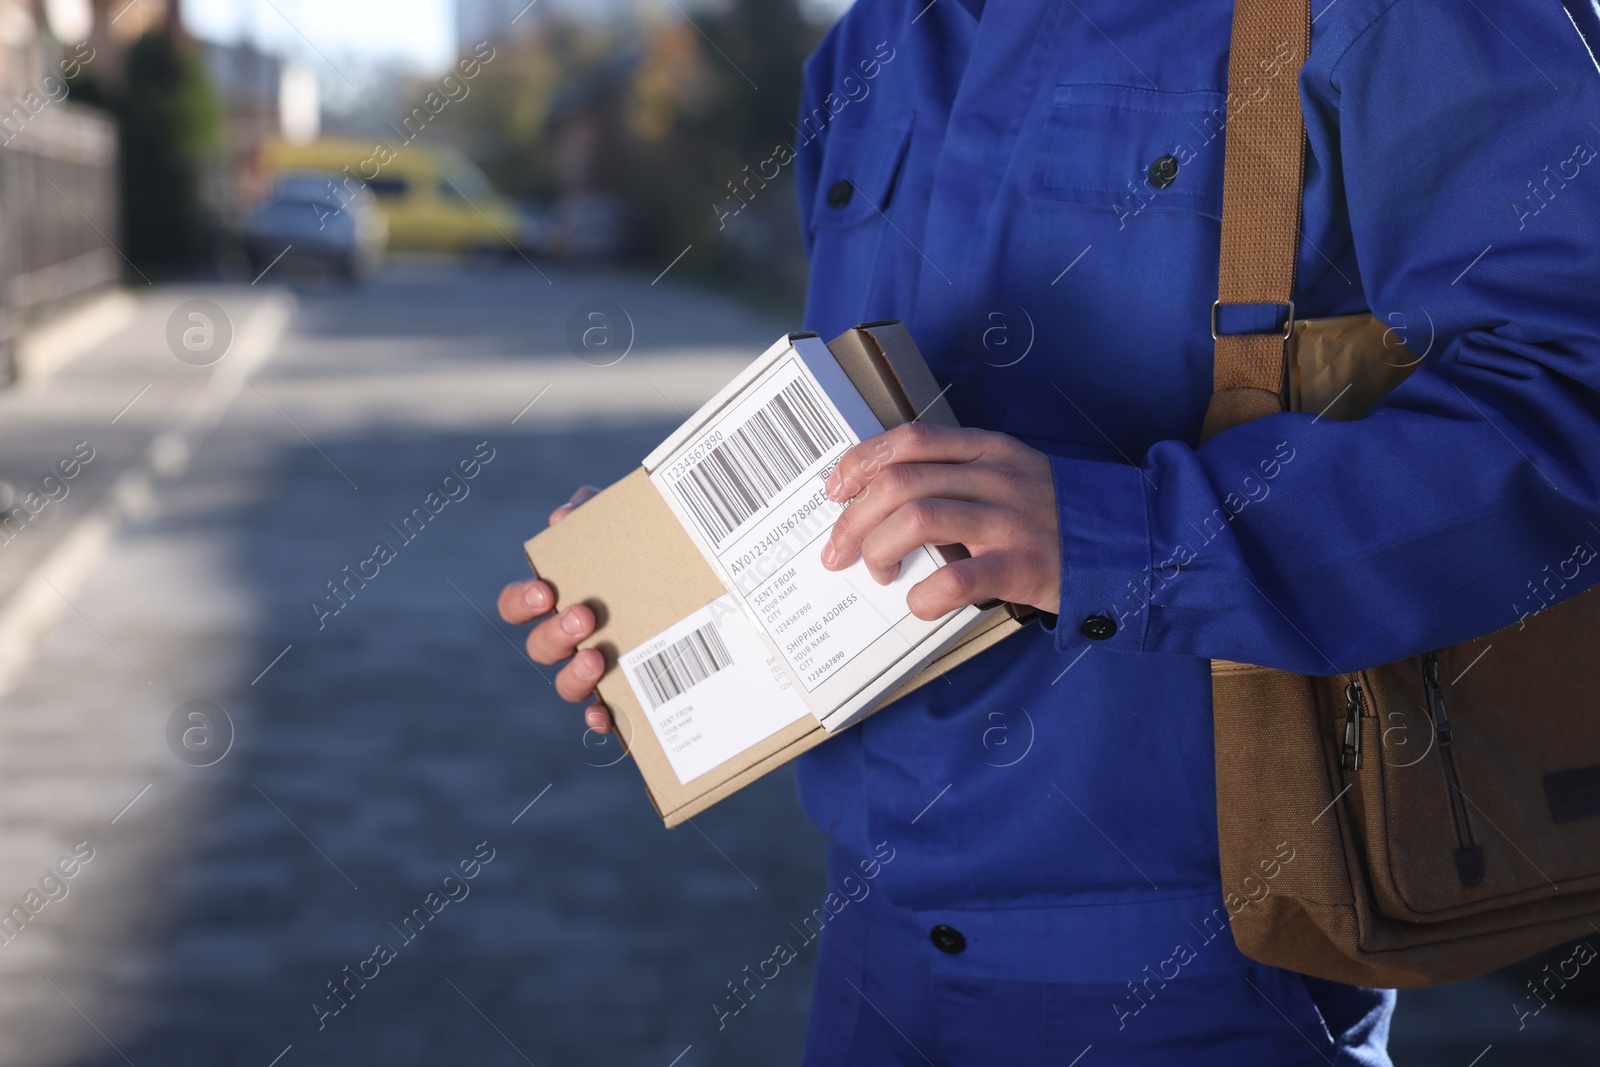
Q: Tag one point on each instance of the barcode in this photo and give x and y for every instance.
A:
(684, 664)
(758, 460)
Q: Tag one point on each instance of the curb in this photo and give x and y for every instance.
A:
(45, 348)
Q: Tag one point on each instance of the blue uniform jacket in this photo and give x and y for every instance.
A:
(982, 173)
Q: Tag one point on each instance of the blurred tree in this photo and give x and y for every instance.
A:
(703, 112)
(504, 121)
(665, 113)
(169, 121)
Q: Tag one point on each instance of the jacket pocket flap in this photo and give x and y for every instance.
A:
(858, 171)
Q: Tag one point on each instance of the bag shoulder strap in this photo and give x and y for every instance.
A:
(1262, 186)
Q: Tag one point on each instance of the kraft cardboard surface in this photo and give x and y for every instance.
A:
(625, 554)
(883, 363)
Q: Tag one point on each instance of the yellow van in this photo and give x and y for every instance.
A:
(435, 198)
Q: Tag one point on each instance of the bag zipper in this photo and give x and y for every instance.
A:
(1469, 854)
(1350, 753)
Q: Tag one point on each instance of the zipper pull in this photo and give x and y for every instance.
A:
(1350, 755)
(1436, 708)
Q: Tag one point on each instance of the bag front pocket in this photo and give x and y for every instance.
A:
(1457, 809)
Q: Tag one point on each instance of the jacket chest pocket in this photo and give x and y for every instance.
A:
(1131, 151)
(849, 217)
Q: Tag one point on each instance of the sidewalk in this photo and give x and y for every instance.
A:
(82, 443)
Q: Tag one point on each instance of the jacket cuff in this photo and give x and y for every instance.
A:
(1105, 555)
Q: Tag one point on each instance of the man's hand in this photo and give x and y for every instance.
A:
(932, 485)
(556, 638)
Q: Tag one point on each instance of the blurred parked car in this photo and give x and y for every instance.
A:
(435, 198)
(316, 217)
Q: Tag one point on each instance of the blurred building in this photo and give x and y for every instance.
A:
(249, 87)
(58, 170)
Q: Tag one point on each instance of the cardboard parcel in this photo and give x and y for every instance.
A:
(729, 649)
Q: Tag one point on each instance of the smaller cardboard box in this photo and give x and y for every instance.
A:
(729, 650)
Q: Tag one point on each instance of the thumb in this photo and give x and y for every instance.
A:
(584, 492)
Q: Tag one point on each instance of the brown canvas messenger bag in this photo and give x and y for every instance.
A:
(1443, 811)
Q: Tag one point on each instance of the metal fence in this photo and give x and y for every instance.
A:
(58, 212)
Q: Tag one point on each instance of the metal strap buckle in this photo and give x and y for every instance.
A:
(1288, 323)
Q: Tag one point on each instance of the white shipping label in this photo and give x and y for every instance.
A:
(752, 486)
(710, 688)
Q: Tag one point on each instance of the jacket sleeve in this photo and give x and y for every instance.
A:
(1469, 498)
